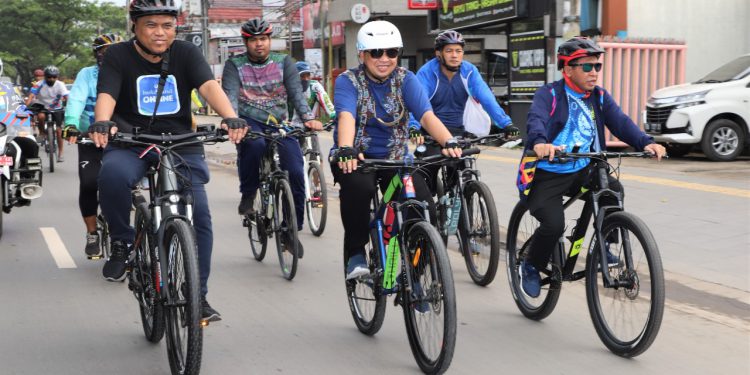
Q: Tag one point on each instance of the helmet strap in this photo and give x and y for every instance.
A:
(448, 68)
(146, 50)
(575, 87)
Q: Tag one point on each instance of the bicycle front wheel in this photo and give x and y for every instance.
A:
(51, 147)
(429, 301)
(520, 230)
(627, 317)
(144, 276)
(256, 224)
(182, 311)
(285, 228)
(480, 237)
(317, 203)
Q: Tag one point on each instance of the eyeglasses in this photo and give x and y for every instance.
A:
(390, 52)
(587, 67)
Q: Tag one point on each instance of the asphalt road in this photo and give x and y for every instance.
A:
(61, 317)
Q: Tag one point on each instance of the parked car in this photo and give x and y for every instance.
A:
(712, 113)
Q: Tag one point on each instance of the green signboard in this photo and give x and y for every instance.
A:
(460, 14)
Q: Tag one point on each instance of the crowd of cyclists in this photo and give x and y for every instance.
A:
(378, 108)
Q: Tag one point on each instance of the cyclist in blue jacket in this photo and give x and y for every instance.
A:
(79, 114)
(567, 114)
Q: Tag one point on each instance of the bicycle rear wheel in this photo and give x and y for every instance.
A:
(520, 230)
(143, 281)
(480, 237)
(430, 304)
(316, 205)
(51, 147)
(182, 313)
(626, 318)
(256, 228)
(365, 294)
(285, 228)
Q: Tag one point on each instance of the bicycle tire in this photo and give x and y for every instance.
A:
(481, 261)
(183, 317)
(367, 302)
(520, 229)
(318, 201)
(143, 273)
(3, 187)
(52, 147)
(256, 229)
(285, 229)
(431, 259)
(612, 328)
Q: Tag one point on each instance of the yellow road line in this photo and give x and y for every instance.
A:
(742, 193)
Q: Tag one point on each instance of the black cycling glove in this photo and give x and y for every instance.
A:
(234, 123)
(101, 127)
(344, 154)
(70, 131)
(511, 131)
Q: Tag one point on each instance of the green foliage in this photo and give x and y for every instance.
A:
(37, 33)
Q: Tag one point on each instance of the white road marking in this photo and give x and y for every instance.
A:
(57, 248)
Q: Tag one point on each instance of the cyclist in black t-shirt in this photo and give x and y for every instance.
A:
(127, 90)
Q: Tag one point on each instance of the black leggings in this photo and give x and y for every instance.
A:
(89, 163)
(356, 192)
(545, 204)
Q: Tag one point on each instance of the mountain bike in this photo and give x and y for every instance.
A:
(163, 271)
(466, 209)
(273, 209)
(49, 140)
(407, 258)
(625, 300)
(316, 192)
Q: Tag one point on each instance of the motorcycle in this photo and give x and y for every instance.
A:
(20, 165)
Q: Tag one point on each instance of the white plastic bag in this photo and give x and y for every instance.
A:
(476, 119)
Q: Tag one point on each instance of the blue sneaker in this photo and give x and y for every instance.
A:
(530, 280)
(356, 267)
(422, 306)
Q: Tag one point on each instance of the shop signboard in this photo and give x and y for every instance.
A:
(423, 4)
(528, 70)
(460, 14)
(311, 28)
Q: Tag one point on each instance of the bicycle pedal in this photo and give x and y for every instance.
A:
(94, 257)
(205, 323)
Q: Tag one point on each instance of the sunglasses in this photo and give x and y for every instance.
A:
(587, 67)
(50, 77)
(390, 52)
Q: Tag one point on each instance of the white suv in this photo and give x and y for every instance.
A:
(713, 112)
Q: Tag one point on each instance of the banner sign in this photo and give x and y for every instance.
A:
(528, 70)
(456, 14)
(311, 28)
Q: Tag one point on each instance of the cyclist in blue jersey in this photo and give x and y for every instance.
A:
(372, 103)
(565, 115)
(79, 114)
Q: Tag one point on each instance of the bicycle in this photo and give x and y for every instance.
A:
(466, 209)
(273, 209)
(637, 282)
(49, 141)
(316, 192)
(163, 271)
(407, 258)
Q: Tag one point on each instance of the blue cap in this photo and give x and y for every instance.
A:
(302, 67)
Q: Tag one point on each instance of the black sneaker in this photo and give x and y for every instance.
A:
(92, 245)
(246, 204)
(208, 313)
(114, 269)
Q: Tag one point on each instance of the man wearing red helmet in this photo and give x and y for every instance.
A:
(567, 114)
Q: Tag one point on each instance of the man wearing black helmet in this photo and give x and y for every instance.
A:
(53, 94)
(129, 76)
(258, 84)
(567, 114)
(79, 114)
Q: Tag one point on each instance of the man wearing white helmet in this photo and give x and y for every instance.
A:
(372, 104)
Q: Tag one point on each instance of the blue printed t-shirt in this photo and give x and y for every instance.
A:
(381, 136)
(449, 100)
(580, 130)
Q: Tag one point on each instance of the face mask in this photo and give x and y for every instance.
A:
(50, 82)
(305, 85)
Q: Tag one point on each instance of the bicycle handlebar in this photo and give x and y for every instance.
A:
(562, 156)
(464, 142)
(389, 163)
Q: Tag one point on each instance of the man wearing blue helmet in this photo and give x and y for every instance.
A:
(316, 95)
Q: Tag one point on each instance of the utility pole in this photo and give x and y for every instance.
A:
(322, 23)
(204, 27)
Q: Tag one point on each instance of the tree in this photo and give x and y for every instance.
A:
(36, 33)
